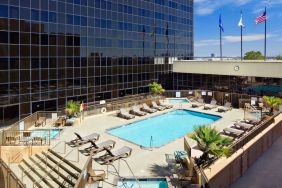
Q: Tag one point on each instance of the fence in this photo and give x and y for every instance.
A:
(8, 178)
(32, 137)
(237, 100)
(19, 133)
(116, 105)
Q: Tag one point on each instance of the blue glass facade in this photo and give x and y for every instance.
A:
(52, 51)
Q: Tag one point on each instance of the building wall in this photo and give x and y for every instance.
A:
(271, 69)
(90, 50)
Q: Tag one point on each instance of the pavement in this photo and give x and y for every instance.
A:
(143, 162)
(265, 172)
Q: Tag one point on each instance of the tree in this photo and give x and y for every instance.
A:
(272, 102)
(279, 57)
(72, 107)
(211, 142)
(156, 88)
(252, 55)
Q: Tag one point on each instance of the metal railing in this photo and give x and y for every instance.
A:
(32, 137)
(12, 174)
(252, 133)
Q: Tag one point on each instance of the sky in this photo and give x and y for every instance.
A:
(206, 39)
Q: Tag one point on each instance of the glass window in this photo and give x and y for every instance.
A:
(14, 12)
(4, 11)
(44, 16)
(52, 17)
(35, 15)
(69, 19)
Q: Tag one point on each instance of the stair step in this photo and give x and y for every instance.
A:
(35, 171)
(66, 179)
(65, 161)
(69, 170)
(49, 173)
(29, 176)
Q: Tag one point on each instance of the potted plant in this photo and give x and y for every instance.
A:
(72, 108)
(210, 142)
(272, 102)
(156, 89)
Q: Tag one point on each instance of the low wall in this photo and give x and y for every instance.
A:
(227, 170)
(16, 154)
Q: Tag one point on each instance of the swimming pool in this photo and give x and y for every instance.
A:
(144, 183)
(176, 101)
(265, 88)
(45, 132)
(160, 130)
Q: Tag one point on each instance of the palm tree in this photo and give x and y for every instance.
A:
(272, 102)
(210, 142)
(72, 107)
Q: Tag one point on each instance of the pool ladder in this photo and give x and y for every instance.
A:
(119, 176)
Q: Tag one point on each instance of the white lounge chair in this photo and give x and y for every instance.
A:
(163, 104)
(124, 114)
(111, 156)
(211, 105)
(155, 106)
(198, 103)
(83, 140)
(243, 126)
(146, 108)
(96, 148)
(136, 111)
(226, 107)
(233, 132)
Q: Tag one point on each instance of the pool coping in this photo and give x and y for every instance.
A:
(116, 179)
(148, 148)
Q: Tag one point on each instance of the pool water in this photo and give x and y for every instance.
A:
(160, 130)
(143, 183)
(176, 101)
(45, 132)
(266, 88)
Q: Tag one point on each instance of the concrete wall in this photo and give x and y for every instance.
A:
(227, 170)
(236, 68)
(16, 154)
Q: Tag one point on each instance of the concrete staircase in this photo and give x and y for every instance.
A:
(47, 169)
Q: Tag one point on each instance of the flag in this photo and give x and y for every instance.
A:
(241, 23)
(261, 18)
(220, 24)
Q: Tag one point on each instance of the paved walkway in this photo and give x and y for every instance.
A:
(143, 162)
(266, 171)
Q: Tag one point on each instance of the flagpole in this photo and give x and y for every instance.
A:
(220, 44)
(265, 36)
(241, 27)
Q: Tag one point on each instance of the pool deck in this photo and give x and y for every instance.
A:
(144, 162)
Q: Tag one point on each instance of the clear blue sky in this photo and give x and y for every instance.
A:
(207, 30)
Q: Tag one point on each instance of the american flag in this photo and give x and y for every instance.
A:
(261, 18)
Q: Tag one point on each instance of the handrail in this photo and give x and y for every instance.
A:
(19, 182)
(29, 170)
(57, 165)
(18, 154)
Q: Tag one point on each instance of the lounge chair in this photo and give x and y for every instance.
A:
(136, 111)
(198, 103)
(168, 106)
(233, 132)
(155, 106)
(226, 107)
(252, 121)
(124, 114)
(78, 141)
(112, 156)
(211, 105)
(96, 148)
(146, 108)
(243, 126)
